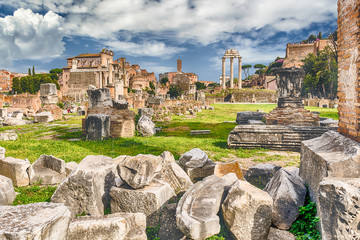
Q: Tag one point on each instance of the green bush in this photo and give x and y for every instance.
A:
(305, 225)
(152, 233)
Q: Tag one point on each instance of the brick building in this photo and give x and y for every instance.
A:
(101, 71)
(349, 68)
(6, 78)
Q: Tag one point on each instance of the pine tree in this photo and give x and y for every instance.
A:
(29, 72)
(33, 73)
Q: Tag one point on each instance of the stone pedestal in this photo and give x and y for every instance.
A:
(97, 127)
(290, 109)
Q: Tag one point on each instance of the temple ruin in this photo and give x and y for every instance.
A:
(231, 53)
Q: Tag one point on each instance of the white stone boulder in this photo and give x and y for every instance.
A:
(69, 167)
(15, 122)
(17, 114)
(43, 117)
(338, 208)
(35, 221)
(277, 234)
(149, 112)
(196, 213)
(260, 174)
(139, 171)
(288, 192)
(175, 176)
(7, 192)
(16, 170)
(146, 127)
(194, 158)
(47, 170)
(247, 211)
(167, 156)
(8, 136)
(122, 226)
(86, 190)
(331, 155)
(147, 200)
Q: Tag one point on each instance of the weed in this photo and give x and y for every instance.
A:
(305, 225)
(152, 232)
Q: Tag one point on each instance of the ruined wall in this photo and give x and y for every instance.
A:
(295, 53)
(349, 64)
(23, 101)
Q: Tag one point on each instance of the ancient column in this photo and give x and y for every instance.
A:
(223, 73)
(231, 72)
(110, 67)
(100, 79)
(239, 74)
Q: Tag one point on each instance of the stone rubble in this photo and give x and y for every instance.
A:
(16, 170)
(47, 170)
(7, 192)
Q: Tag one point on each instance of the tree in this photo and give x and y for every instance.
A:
(260, 68)
(200, 85)
(319, 36)
(164, 81)
(152, 86)
(320, 74)
(213, 85)
(276, 64)
(56, 70)
(29, 72)
(174, 91)
(16, 85)
(333, 38)
(33, 71)
(246, 69)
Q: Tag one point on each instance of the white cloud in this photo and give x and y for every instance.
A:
(209, 21)
(27, 35)
(150, 48)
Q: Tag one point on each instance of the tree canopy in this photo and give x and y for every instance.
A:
(31, 83)
(174, 91)
(246, 69)
(200, 85)
(164, 80)
(320, 74)
(56, 70)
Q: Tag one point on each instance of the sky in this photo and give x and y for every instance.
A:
(155, 33)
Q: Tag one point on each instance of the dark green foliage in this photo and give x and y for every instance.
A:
(152, 233)
(152, 86)
(32, 194)
(246, 69)
(33, 71)
(305, 225)
(276, 64)
(149, 91)
(213, 85)
(56, 70)
(200, 86)
(31, 84)
(319, 36)
(164, 80)
(29, 72)
(311, 38)
(60, 105)
(174, 91)
(320, 74)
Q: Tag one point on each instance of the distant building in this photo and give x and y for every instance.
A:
(180, 78)
(206, 83)
(227, 79)
(101, 71)
(295, 52)
(6, 78)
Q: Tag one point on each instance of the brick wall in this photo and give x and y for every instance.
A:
(349, 64)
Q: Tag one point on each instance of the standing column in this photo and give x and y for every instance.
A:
(231, 73)
(240, 81)
(223, 73)
(100, 80)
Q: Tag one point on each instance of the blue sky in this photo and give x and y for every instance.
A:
(155, 33)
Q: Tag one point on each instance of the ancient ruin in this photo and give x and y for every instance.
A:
(231, 53)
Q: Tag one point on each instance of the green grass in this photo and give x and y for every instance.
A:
(53, 139)
(33, 193)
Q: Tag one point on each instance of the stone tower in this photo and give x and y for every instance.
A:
(179, 66)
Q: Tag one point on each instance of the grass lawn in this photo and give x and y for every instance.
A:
(61, 138)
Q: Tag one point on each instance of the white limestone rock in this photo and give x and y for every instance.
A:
(15, 122)
(122, 226)
(48, 170)
(147, 200)
(43, 117)
(2, 152)
(196, 213)
(331, 155)
(167, 156)
(288, 192)
(86, 190)
(195, 158)
(16, 170)
(36, 221)
(139, 171)
(146, 127)
(247, 211)
(277, 234)
(8, 136)
(70, 167)
(7, 192)
(338, 208)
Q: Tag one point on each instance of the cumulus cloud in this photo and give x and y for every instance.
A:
(201, 21)
(28, 35)
(149, 48)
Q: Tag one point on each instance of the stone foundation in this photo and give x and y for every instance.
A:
(276, 137)
(292, 116)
